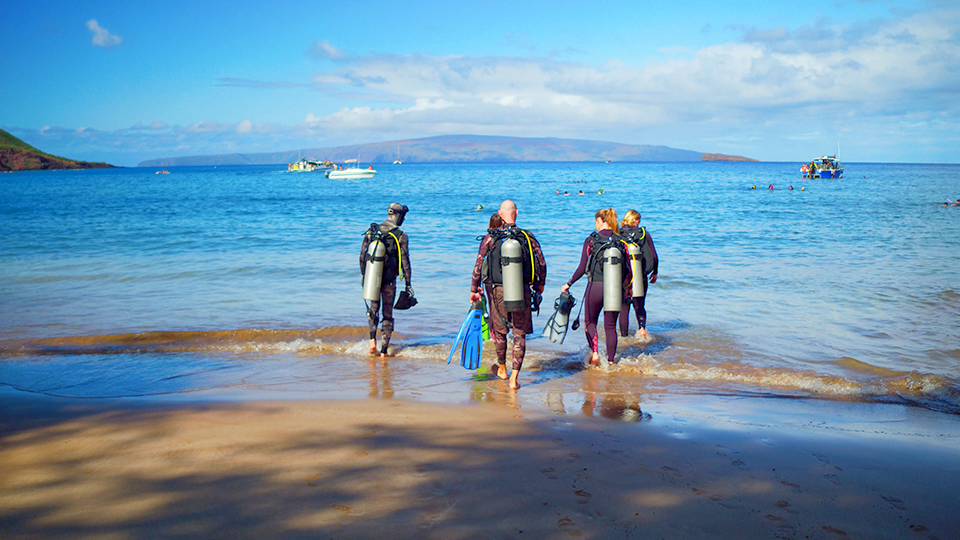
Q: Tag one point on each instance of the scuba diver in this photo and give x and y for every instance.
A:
(383, 258)
(643, 263)
(511, 266)
(602, 259)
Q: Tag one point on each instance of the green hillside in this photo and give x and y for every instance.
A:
(16, 155)
(9, 141)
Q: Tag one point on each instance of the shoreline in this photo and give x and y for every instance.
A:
(692, 467)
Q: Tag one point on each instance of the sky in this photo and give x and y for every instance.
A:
(777, 81)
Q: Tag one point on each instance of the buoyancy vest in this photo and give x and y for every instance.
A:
(638, 237)
(599, 243)
(491, 270)
(391, 241)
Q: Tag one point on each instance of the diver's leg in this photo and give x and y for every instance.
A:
(624, 318)
(500, 344)
(387, 295)
(641, 310)
(519, 349)
(373, 320)
(610, 333)
(498, 328)
(594, 305)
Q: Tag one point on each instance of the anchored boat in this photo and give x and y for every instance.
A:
(306, 165)
(349, 173)
(823, 167)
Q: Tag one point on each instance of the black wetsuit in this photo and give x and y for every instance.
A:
(392, 269)
(650, 264)
(593, 301)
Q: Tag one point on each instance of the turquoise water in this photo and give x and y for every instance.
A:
(244, 281)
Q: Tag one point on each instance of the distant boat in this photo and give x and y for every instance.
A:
(397, 161)
(351, 173)
(163, 172)
(823, 167)
(307, 165)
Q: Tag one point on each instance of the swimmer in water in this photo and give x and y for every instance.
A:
(770, 187)
(791, 188)
(803, 188)
(753, 186)
(479, 207)
(600, 192)
(580, 192)
(565, 194)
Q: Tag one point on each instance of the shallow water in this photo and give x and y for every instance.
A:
(244, 281)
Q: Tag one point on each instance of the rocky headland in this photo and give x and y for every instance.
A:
(16, 155)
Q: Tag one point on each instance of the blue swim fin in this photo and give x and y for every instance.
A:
(472, 348)
(460, 334)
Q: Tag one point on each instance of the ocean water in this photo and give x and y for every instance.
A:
(244, 282)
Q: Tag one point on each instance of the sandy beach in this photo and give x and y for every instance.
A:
(387, 468)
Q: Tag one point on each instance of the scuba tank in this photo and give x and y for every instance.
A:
(511, 264)
(636, 260)
(373, 274)
(612, 279)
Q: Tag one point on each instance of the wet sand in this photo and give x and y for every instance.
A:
(393, 468)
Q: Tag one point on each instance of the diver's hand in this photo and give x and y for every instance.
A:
(475, 297)
(565, 288)
(653, 278)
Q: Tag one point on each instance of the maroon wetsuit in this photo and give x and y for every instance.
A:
(501, 321)
(593, 302)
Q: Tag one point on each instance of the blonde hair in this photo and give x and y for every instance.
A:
(630, 217)
(609, 216)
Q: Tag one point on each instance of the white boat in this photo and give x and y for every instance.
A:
(350, 173)
(397, 161)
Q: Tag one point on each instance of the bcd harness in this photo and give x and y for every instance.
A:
(598, 244)
(376, 235)
(494, 259)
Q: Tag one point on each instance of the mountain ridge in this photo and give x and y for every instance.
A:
(456, 149)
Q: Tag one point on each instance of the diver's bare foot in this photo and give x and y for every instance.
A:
(642, 333)
(373, 347)
(502, 371)
(514, 384)
(595, 359)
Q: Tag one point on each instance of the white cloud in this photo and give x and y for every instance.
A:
(323, 50)
(879, 83)
(901, 74)
(101, 37)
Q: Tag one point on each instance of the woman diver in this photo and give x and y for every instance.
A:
(593, 263)
(633, 233)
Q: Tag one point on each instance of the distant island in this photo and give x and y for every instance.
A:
(16, 155)
(724, 157)
(459, 149)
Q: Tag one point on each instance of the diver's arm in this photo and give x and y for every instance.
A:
(584, 256)
(405, 257)
(485, 246)
(540, 272)
(363, 252)
(652, 252)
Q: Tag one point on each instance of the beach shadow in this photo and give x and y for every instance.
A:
(378, 469)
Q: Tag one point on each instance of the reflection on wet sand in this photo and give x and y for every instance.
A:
(380, 376)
